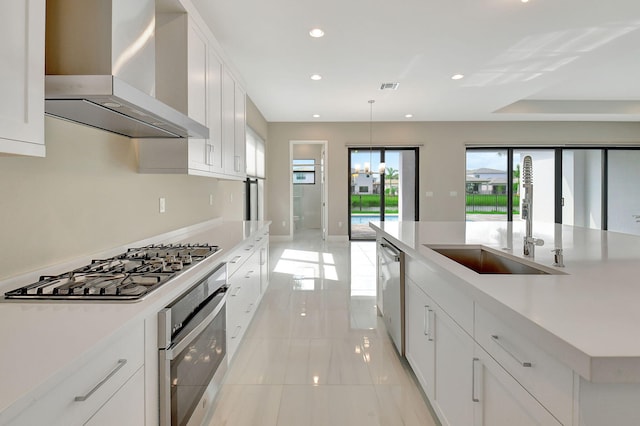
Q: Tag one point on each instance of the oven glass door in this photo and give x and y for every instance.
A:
(193, 368)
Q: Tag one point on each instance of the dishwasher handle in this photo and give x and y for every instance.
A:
(390, 248)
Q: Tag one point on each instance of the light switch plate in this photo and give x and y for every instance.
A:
(163, 205)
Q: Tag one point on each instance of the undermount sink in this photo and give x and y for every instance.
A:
(484, 261)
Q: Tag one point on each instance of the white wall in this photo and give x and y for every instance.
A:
(442, 157)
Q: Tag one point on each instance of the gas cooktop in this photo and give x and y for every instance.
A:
(128, 276)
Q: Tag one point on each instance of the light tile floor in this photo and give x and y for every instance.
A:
(316, 353)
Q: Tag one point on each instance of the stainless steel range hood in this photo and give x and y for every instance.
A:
(100, 69)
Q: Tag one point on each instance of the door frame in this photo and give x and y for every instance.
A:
(324, 173)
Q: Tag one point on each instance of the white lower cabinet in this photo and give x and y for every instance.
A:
(498, 399)
(123, 409)
(453, 367)
(88, 391)
(242, 297)
(420, 339)
(491, 378)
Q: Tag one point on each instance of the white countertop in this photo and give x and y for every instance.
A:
(588, 317)
(42, 341)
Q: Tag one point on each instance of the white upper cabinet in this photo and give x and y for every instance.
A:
(233, 126)
(191, 78)
(22, 78)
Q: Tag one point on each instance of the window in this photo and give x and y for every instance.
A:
(304, 172)
(592, 187)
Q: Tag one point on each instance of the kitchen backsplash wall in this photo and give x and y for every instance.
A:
(86, 196)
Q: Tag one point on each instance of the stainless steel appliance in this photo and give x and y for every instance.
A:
(193, 354)
(101, 69)
(391, 276)
(127, 277)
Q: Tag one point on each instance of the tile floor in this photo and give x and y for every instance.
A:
(316, 353)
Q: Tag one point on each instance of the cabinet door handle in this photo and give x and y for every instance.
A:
(249, 308)
(496, 339)
(431, 320)
(121, 363)
(235, 259)
(426, 320)
(237, 290)
(473, 380)
(248, 274)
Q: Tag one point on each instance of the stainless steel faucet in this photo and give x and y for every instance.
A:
(527, 208)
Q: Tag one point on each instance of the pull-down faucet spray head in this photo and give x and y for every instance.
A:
(527, 207)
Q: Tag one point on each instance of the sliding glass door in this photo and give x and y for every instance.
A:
(382, 187)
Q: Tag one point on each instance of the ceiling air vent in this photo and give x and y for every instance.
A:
(389, 86)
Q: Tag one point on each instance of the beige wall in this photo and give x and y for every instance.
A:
(442, 157)
(86, 196)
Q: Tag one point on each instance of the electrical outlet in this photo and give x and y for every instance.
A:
(210, 199)
(339, 224)
(284, 223)
(429, 193)
(453, 193)
(163, 205)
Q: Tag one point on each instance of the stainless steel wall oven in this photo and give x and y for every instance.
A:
(192, 350)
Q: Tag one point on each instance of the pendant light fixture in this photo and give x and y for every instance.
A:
(367, 166)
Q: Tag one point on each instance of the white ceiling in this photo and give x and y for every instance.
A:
(541, 60)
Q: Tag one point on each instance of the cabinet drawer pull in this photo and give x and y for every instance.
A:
(248, 274)
(249, 308)
(496, 339)
(121, 363)
(249, 248)
(238, 328)
(235, 259)
(235, 293)
(473, 380)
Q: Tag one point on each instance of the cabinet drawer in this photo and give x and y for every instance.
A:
(239, 256)
(546, 378)
(82, 394)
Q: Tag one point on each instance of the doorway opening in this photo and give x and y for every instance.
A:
(309, 203)
(383, 186)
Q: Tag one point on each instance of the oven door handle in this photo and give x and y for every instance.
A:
(178, 346)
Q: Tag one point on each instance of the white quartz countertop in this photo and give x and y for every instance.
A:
(43, 341)
(588, 317)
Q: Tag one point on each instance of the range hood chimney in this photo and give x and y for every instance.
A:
(100, 69)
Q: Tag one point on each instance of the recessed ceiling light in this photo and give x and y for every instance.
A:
(408, 116)
(316, 115)
(316, 77)
(316, 33)
(457, 76)
(111, 105)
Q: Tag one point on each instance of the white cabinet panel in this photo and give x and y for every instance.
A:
(454, 356)
(499, 400)
(126, 407)
(420, 336)
(547, 379)
(22, 78)
(96, 382)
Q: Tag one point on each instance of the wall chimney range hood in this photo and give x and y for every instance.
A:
(100, 69)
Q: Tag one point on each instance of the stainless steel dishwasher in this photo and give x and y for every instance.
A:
(391, 285)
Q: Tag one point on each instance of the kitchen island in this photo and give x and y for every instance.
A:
(49, 345)
(582, 320)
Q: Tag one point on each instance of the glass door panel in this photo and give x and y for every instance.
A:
(486, 185)
(364, 191)
(582, 187)
(623, 195)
